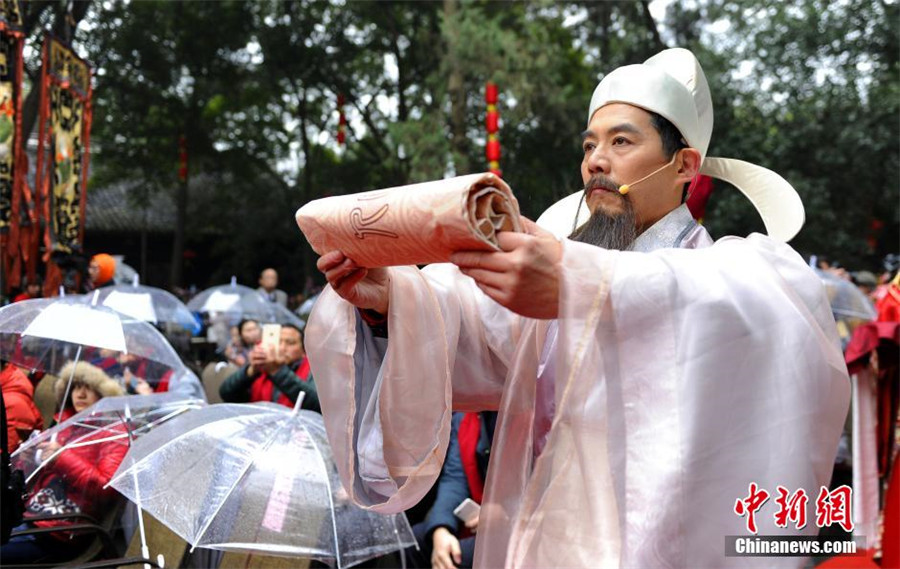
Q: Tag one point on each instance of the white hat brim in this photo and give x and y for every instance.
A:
(774, 198)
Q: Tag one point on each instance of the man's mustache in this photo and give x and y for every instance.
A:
(601, 181)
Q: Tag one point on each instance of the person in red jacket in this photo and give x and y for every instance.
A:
(70, 479)
(277, 377)
(32, 290)
(22, 415)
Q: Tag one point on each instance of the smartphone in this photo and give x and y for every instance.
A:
(271, 338)
(467, 510)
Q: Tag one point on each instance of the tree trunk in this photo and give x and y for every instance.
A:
(181, 197)
(459, 144)
(306, 193)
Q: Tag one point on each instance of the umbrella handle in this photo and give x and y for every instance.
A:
(300, 397)
(62, 404)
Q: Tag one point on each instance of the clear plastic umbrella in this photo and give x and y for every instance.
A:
(226, 305)
(147, 303)
(256, 478)
(109, 419)
(124, 273)
(847, 301)
(285, 316)
(235, 302)
(66, 467)
(44, 334)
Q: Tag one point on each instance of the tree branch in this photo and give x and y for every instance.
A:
(651, 24)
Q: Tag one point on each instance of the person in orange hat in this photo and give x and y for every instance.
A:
(101, 270)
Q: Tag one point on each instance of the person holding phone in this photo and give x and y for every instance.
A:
(447, 535)
(276, 373)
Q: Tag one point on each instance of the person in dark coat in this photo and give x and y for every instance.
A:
(444, 540)
(277, 377)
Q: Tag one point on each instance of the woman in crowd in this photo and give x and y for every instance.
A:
(248, 335)
(71, 479)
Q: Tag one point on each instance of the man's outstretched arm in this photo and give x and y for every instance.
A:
(524, 276)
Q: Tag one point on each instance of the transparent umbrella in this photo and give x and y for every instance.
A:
(847, 301)
(226, 305)
(46, 333)
(147, 303)
(285, 316)
(68, 466)
(109, 419)
(235, 302)
(124, 273)
(255, 478)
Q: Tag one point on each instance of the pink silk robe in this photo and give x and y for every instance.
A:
(681, 377)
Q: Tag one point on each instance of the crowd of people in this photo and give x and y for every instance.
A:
(71, 480)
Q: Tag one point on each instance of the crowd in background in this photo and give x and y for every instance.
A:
(243, 370)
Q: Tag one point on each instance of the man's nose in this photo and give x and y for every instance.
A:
(597, 161)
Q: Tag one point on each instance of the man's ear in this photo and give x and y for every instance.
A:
(688, 165)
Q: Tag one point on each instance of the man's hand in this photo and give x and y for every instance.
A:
(363, 288)
(268, 361)
(472, 524)
(524, 276)
(445, 552)
(258, 359)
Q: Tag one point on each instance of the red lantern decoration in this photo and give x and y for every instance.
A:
(490, 93)
(492, 124)
(342, 120)
(493, 150)
(492, 121)
(182, 159)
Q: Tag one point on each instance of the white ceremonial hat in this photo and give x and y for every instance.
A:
(672, 84)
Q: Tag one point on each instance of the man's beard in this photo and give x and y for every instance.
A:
(608, 230)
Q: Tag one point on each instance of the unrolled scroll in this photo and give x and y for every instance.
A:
(412, 225)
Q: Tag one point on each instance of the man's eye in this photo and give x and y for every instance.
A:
(619, 140)
(588, 147)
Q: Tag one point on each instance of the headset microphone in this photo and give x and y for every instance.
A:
(625, 188)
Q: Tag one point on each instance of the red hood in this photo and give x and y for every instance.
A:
(14, 379)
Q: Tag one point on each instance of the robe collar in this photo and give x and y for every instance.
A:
(667, 233)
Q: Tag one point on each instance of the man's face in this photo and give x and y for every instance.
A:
(291, 345)
(268, 279)
(621, 146)
(93, 271)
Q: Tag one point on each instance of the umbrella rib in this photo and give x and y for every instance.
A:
(149, 426)
(155, 451)
(237, 481)
(337, 546)
(66, 447)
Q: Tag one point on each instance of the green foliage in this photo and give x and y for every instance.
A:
(820, 107)
(254, 85)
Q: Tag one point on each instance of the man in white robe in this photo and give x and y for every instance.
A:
(640, 391)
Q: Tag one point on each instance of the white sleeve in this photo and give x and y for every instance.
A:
(387, 402)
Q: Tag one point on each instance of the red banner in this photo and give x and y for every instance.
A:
(63, 152)
(11, 43)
